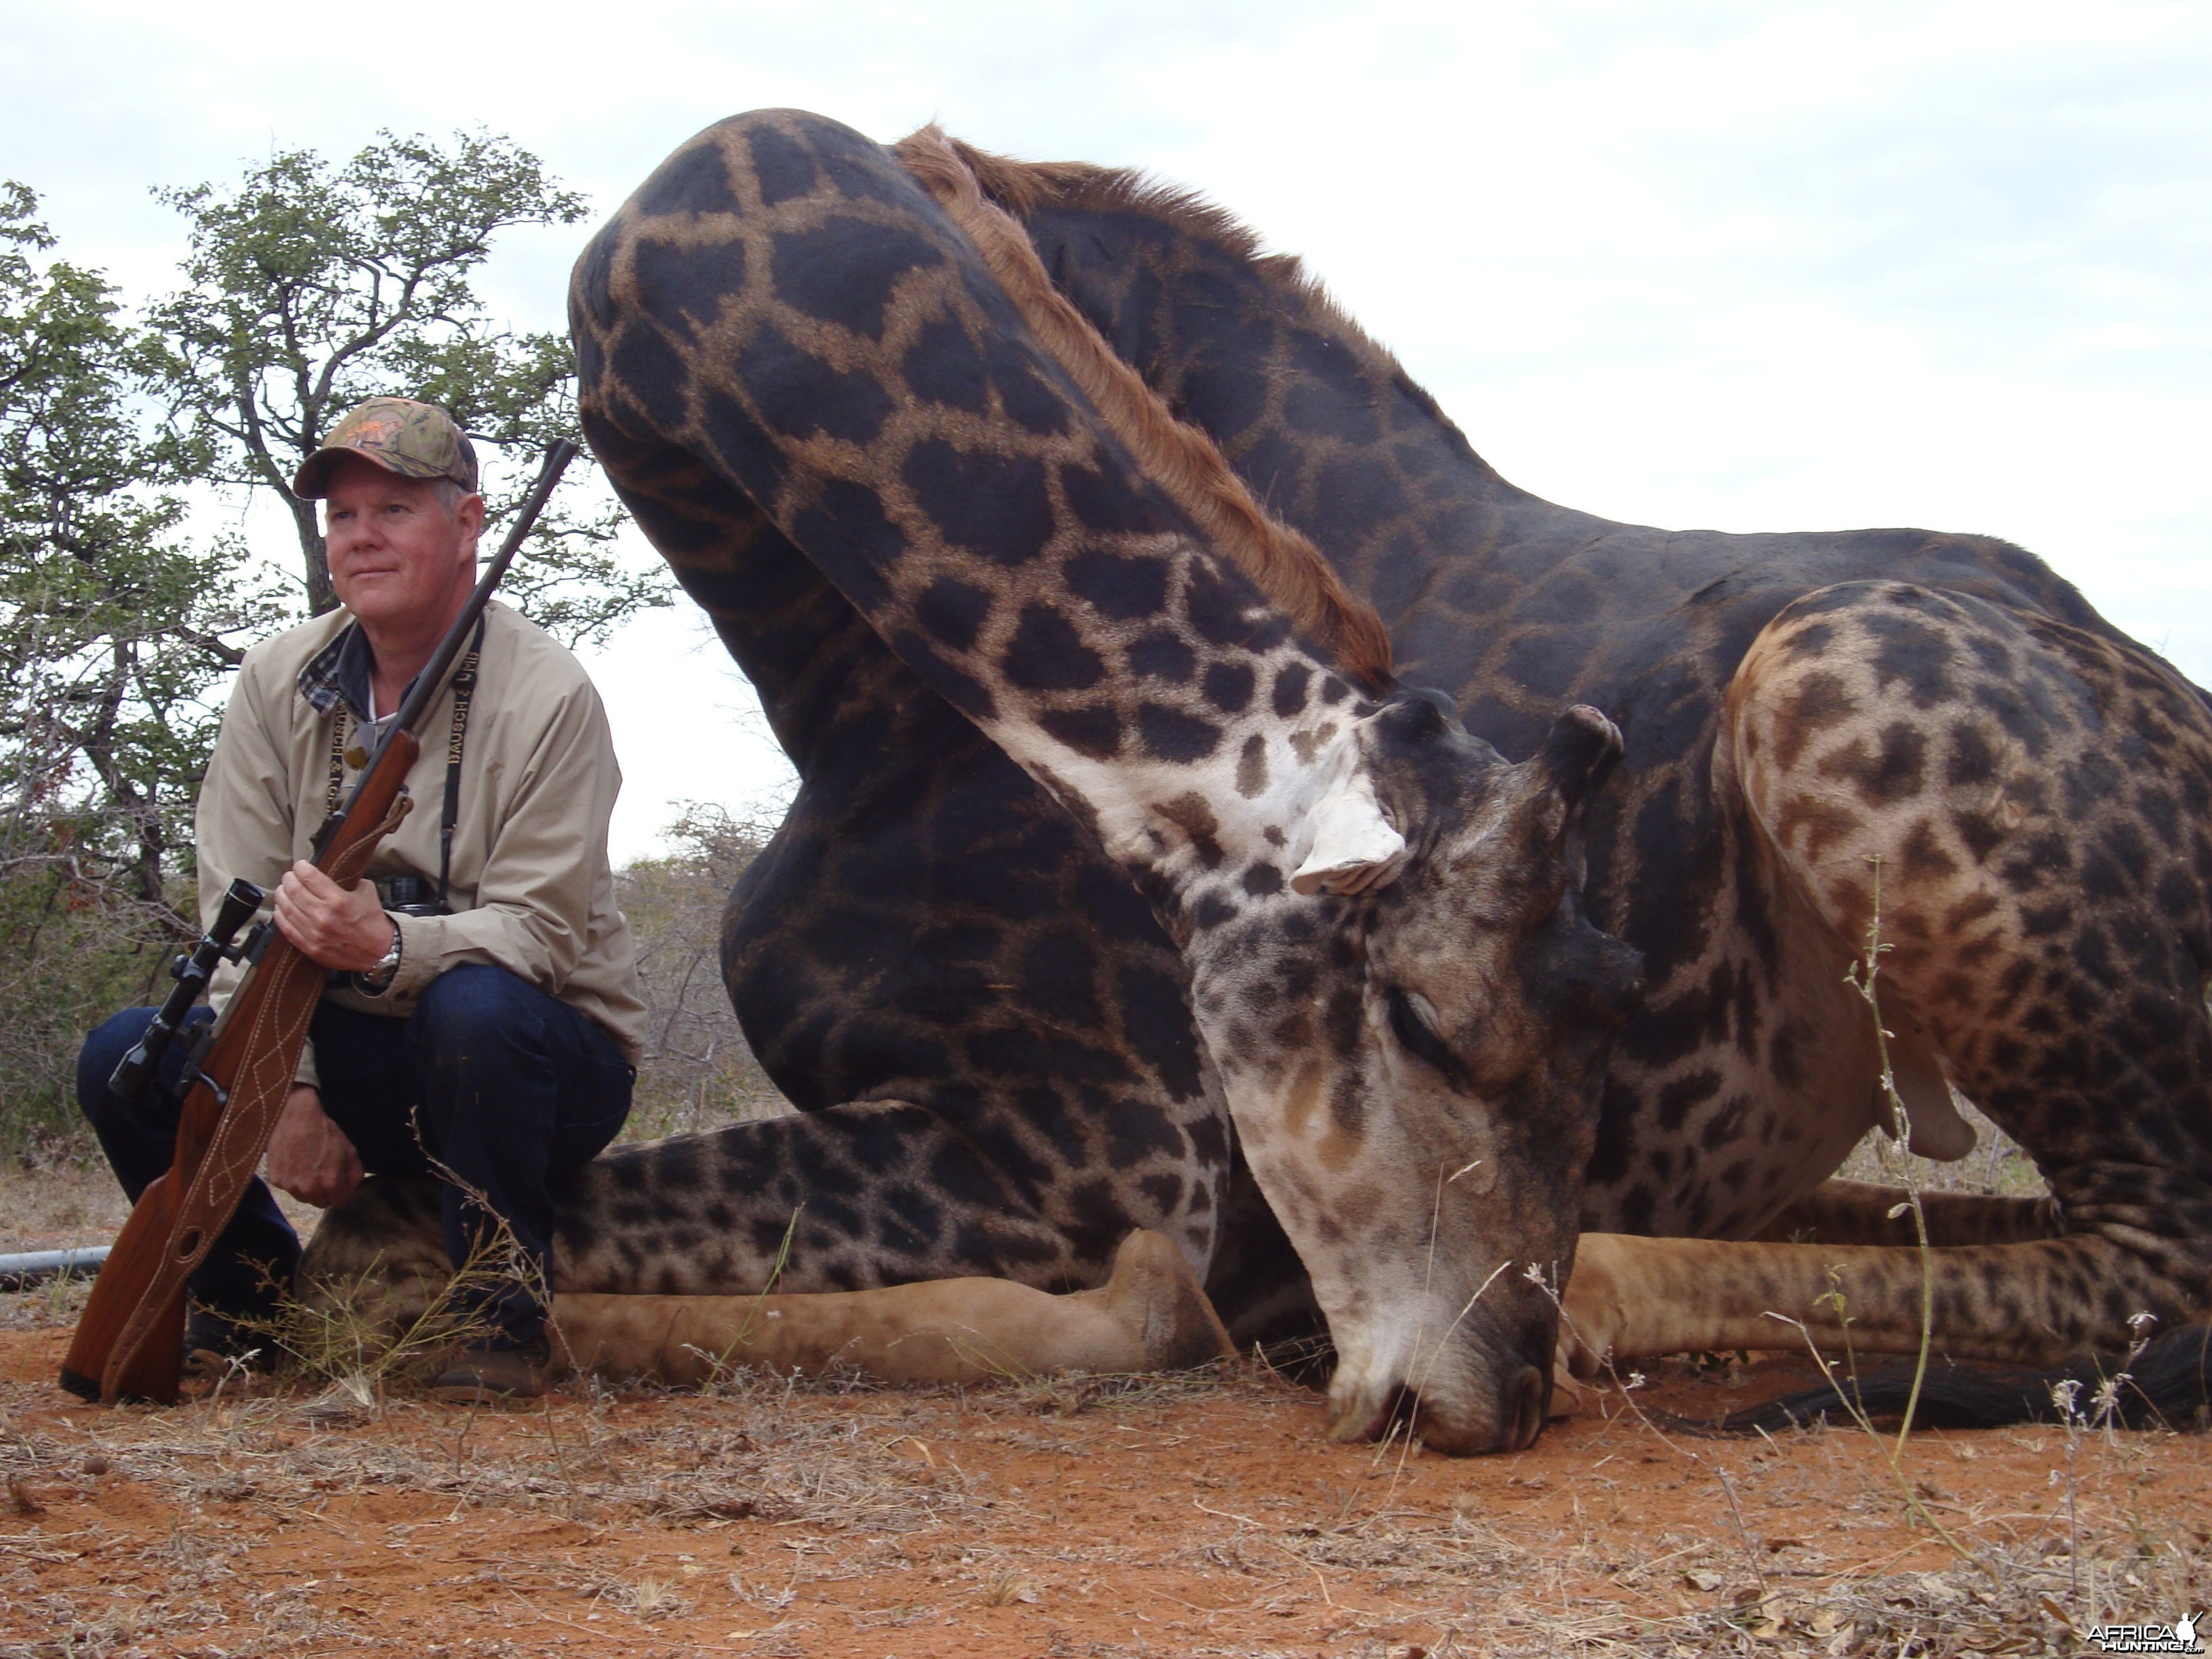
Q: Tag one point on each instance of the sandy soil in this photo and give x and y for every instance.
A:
(1195, 1514)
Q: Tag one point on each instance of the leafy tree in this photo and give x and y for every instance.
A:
(113, 631)
(310, 288)
(115, 635)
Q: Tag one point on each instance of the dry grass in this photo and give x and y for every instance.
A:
(1104, 1517)
(64, 1206)
(59, 1208)
(1114, 1516)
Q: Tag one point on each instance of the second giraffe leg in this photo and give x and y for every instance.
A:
(1151, 1315)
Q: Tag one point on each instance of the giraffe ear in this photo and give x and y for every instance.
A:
(1354, 847)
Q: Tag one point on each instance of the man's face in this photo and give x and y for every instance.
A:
(398, 554)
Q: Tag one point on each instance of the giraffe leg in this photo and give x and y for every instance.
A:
(1151, 1315)
(932, 959)
(1632, 1298)
(1861, 1212)
(2023, 808)
(381, 1255)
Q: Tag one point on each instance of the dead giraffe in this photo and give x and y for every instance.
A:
(857, 407)
(1748, 1070)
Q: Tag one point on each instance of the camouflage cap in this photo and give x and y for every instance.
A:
(414, 440)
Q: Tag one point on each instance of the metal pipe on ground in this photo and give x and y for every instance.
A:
(32, 1268)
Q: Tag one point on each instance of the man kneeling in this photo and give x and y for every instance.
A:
(483, 1016)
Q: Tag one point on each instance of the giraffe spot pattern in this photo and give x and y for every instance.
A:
(1998, 809)
(844, 270)
(1252, 768)
(1169, 734)
(993, 506)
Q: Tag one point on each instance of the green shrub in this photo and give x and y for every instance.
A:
(70, 956)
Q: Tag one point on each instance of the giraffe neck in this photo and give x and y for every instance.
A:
(1321, 421)
(1215, 814)
(1235, 786)
(898, 389)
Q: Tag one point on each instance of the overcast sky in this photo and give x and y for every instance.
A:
(1746, 266)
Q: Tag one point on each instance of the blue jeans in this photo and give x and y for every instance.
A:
(489, 1079)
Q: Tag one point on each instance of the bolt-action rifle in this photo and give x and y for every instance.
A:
(237, 1071)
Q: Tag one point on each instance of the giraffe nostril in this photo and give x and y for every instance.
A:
(1522, 1415)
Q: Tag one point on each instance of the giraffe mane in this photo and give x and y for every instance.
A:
(981, 192)
(1024, 187)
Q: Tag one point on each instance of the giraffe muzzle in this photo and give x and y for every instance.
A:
(1485, 1388)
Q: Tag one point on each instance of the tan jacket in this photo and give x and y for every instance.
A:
(532, 890)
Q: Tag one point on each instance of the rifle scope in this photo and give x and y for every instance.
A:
(136, 1069)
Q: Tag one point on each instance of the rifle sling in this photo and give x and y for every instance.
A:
(257, 1094)
(463, 684)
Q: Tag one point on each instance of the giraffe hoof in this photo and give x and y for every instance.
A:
(1156, 1295)
(1592, 1312)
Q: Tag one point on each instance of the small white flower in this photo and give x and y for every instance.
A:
(2063, 1394)
(2106, 1401)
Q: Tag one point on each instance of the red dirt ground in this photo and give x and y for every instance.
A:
(1142, 1517)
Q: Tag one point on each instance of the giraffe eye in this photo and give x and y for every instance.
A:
(1413, 1022)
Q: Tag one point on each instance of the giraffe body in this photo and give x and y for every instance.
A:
(944, 958)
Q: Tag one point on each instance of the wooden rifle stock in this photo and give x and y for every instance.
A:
(129, 1343)
(130, 1339)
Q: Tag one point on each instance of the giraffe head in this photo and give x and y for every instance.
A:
(1416, 1049)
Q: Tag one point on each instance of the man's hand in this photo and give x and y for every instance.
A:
(336, 927)
(309, 1156)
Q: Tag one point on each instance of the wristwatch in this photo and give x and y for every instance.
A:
(375, 982)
